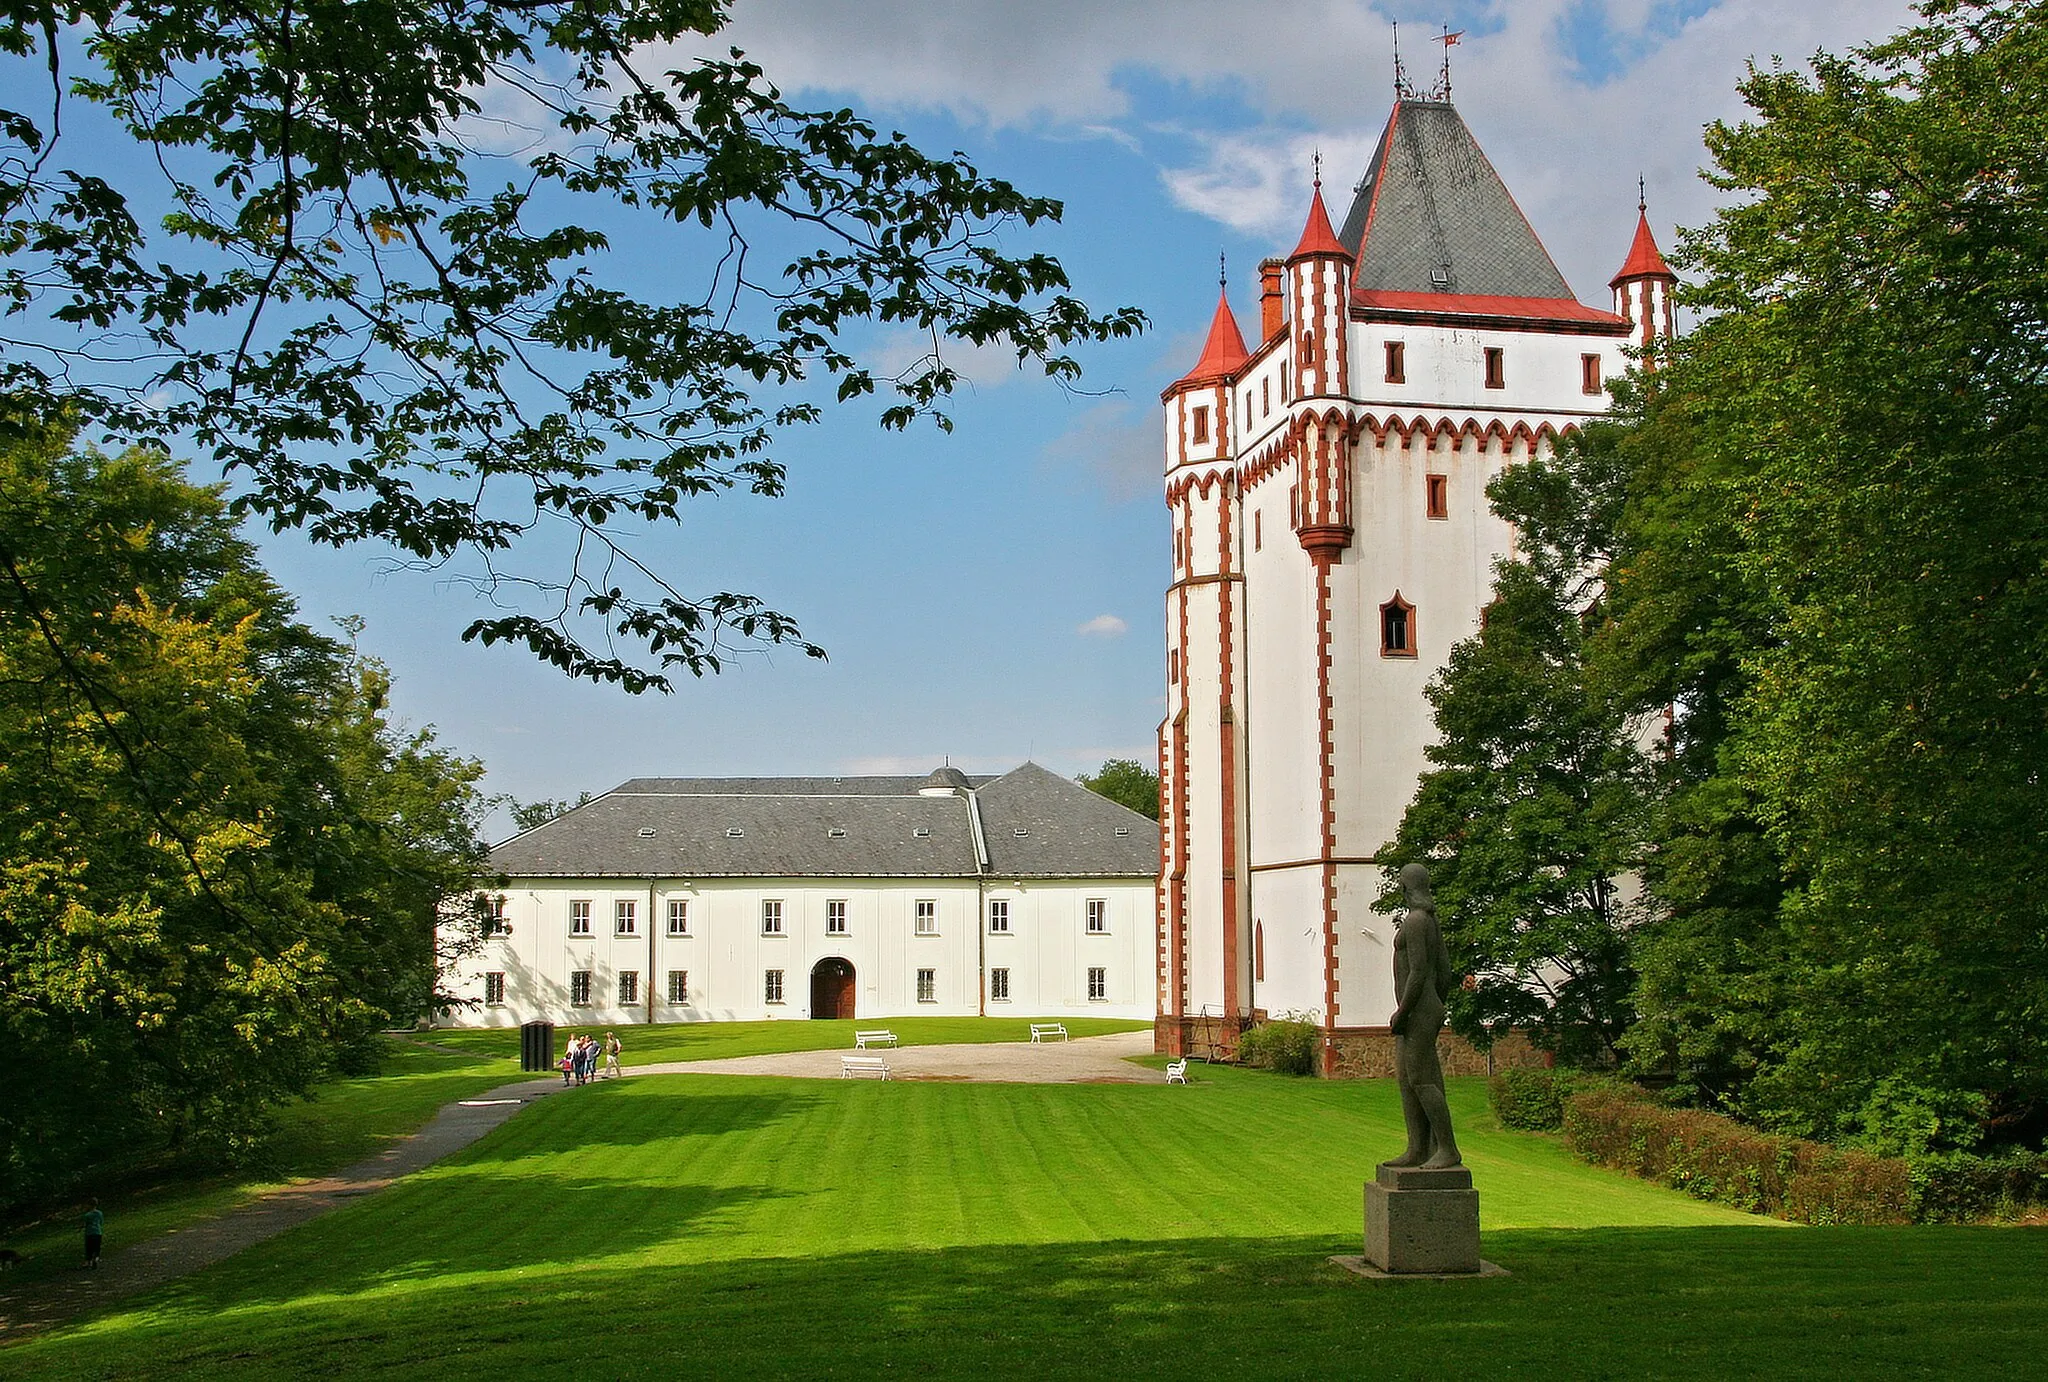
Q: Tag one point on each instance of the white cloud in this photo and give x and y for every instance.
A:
(904, 351)
(1104, 626)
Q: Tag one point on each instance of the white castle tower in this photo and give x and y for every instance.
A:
(1331, 542)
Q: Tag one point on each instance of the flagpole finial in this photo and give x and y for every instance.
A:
(1223, 270)
(1317, 160)
(1642, 195)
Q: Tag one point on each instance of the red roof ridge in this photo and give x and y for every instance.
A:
(1317, 237)
(1643, 261)
(1224, 351)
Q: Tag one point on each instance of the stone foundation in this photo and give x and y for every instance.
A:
(1206, 1036)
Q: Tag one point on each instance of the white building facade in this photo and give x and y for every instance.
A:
(1331, 542)
(681, 900)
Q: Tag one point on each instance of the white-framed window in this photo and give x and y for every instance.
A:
(999, 915)
(771, 987)
(927, 986)
(579, 987)
(927, 916)
(579, 917)
(494, 917)
(835, 917)
(626, 917)
(999, 985)
(1098, 984)
(1098, 916)
(679, 916)
(494, 990)
(771, 916)
(679, 986)
(629, 987)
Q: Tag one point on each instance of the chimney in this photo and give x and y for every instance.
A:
(1272, 299)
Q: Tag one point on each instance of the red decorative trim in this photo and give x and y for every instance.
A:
(1326, 766)
(1498, 313)
(1227, 746)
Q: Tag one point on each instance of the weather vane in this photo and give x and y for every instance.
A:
(1443, 86)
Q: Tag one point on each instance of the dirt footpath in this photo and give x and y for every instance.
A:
(1084, 1060)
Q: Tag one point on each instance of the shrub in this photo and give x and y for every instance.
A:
(1288, 1045)
(1532, 1100)
(1715, 1158)
(1961, 1188)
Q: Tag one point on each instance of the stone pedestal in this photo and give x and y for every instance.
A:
(1422, 1221)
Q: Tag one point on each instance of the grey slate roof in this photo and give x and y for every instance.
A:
(685, 828)
(1430, 200)
(1070, 831)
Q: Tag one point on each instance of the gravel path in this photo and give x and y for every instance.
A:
(41, 1305)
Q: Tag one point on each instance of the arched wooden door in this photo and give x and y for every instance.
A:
(832, 988)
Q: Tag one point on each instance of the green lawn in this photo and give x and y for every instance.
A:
(343, 1122)
(674, 1041)
(698, 1225)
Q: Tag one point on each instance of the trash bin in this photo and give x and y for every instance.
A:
(536, 1046)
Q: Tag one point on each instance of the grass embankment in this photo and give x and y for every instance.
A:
(343, 1122)
(743, 1226)
(680, 1041)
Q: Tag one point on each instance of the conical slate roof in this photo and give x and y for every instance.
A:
(1432, 216)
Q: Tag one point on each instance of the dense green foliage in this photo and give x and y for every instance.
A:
(708, 1225)
(1127, 782)
(220, 865)
(294, 235)
(1820, 532)
(1532, 1100)
(1718, 1159)
(1286, 1045)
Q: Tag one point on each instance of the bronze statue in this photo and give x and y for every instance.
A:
(1422, 980)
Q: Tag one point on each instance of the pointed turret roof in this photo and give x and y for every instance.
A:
(1643, 259)
(1316, 235)
(1435, 229)
(1224, 351)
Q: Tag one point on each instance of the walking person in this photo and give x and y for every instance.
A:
(611, 1054)
(95, 1225)
(569, 1057)
(586, 1059)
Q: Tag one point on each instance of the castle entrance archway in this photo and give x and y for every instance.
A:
(832, 988)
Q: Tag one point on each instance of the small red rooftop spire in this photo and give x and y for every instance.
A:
(1316, 236)
(1643, 261)
(1644, 288)
(1224, 351)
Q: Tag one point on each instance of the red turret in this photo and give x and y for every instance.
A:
(1316, 236)
(1223, 353)
(1644, 288)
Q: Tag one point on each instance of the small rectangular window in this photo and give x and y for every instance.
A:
(927, 917)
(1397, 363)
(579, 987)
(1258, 530)
(999, 985)
(679, 916)
(1266, 396)
(999, 915)
(1283, 381)
(629, 987)
(1201, 425)
(1589, 374)
(771, 987)
(579, 917)
(1173, 666)
(1098, 984)
(679, 986)
(1098, 916)
(835, 917)
(494, 917)
(626, 918)
(1496, 368)
(771, 916)
(927, 986)
(1436, 490)
(494, 990)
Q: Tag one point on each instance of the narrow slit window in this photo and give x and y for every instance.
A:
(1397, 362)
(1397, 628)
(1201, 425)
(1258, 529)
(1496, 368)
(1436, 490)
(1589, 374)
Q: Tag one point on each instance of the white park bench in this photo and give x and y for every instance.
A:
(878, 1037)
(862, 1068)
(1041, 1031)
(1177, 1071)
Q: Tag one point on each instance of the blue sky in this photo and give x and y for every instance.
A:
(996, 593)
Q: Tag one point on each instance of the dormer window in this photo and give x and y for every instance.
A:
(923, 832)
(733, 832)
(835, 833)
